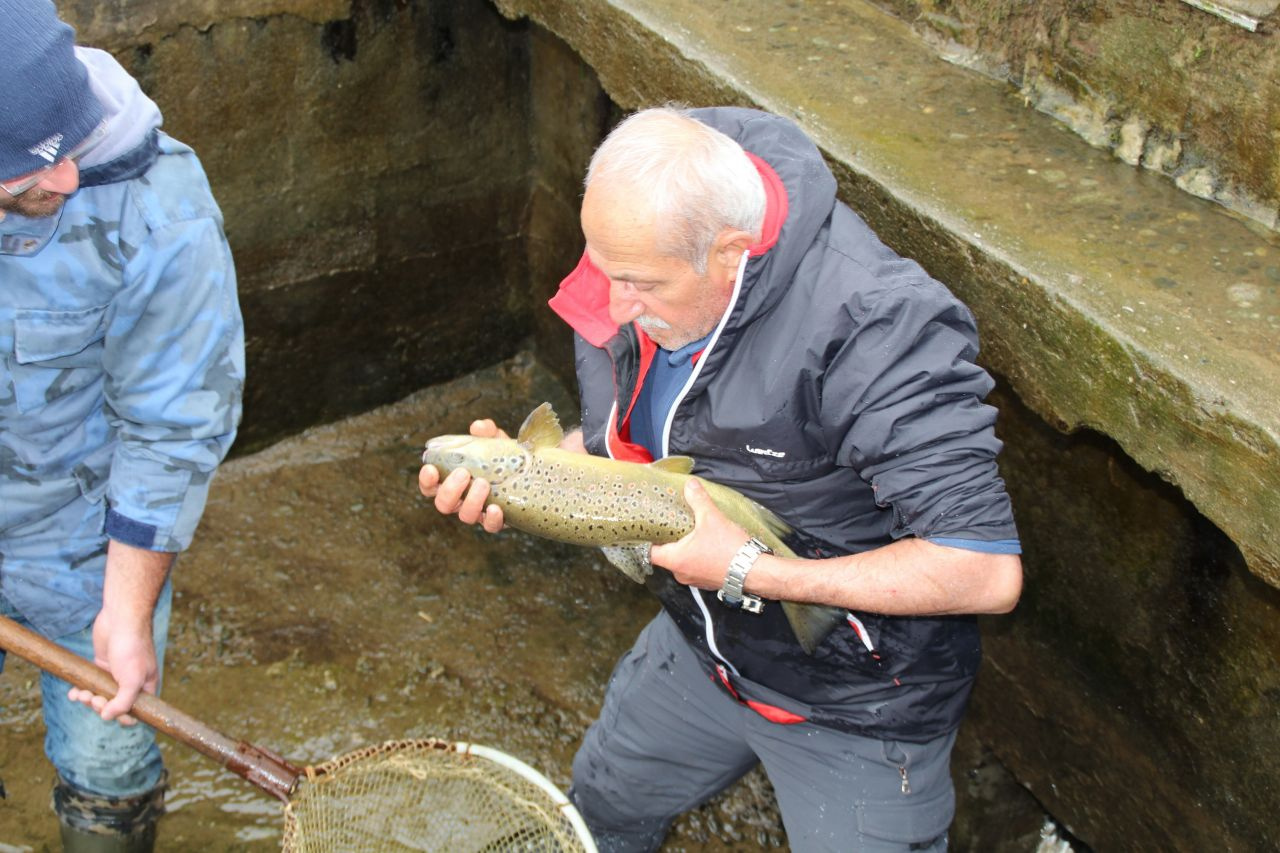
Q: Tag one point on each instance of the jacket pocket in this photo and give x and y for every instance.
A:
(56, 353)
(91, 474)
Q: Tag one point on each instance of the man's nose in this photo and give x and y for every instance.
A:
(63, 178)
(624, 303)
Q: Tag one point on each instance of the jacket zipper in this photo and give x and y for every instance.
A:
(666, 440)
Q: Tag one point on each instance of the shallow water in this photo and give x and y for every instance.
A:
(326, 607)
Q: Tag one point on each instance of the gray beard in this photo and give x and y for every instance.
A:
(652, 324)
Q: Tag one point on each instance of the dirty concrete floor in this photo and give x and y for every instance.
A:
(325, 607)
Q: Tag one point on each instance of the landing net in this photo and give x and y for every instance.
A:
(430, 795)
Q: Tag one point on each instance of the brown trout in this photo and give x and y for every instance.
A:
(620, 507)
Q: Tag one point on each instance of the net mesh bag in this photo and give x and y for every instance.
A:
(430, 795)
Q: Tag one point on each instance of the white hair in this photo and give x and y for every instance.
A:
(696, 180)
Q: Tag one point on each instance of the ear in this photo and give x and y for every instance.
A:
(726, 252)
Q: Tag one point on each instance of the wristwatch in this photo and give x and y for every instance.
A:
(731, 593)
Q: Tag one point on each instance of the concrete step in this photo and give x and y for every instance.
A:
(1107, 298)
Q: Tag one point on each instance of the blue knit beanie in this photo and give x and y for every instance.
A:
(46, 105)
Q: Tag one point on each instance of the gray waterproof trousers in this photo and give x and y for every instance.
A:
(668, 738)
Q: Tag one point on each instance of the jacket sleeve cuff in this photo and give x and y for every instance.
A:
(156, 506)
(997, 546)
(121, 528)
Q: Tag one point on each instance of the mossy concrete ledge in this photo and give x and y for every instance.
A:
(1107, 298)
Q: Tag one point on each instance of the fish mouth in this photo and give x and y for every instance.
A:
(443, 444)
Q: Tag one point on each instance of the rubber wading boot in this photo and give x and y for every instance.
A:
(142, 840)
(90, 823)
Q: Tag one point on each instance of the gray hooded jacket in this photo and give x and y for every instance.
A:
(840, 391)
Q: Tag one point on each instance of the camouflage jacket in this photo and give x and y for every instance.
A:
(121, 369)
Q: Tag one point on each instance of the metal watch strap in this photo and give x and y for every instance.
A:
(732, 593)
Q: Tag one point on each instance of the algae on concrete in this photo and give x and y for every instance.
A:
(1197, 95)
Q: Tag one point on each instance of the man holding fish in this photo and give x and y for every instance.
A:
(728, 308)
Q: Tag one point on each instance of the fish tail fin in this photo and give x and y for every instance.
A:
(811, 623)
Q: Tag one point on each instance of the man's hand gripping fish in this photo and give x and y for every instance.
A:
(619, 507)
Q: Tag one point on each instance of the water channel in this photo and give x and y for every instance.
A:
(326, 607)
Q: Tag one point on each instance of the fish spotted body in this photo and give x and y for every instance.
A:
(620, 507)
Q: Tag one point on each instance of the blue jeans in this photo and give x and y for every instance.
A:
(98, 757)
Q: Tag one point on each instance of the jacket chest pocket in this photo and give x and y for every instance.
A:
(774, 459)
(55, 354)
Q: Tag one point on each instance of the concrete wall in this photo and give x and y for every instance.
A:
(1133, 690)
(1139, 673)
(569, 114)
(373, 161)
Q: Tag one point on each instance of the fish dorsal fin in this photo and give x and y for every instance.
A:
(541, 428)
(673, 464)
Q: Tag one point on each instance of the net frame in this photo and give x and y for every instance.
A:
(541, 811)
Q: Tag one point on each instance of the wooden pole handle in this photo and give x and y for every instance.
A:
(258, 766)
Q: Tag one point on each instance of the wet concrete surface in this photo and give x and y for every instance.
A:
(1183, 280)
(325, 606)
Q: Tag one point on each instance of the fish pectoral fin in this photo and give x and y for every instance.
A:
(673, 464)
(631, 560)
(811, 623)
(541, 429)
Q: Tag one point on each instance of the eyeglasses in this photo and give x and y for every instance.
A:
(18, 186)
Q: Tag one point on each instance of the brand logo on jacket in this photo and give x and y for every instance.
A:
(48, 149)
(764, 451)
